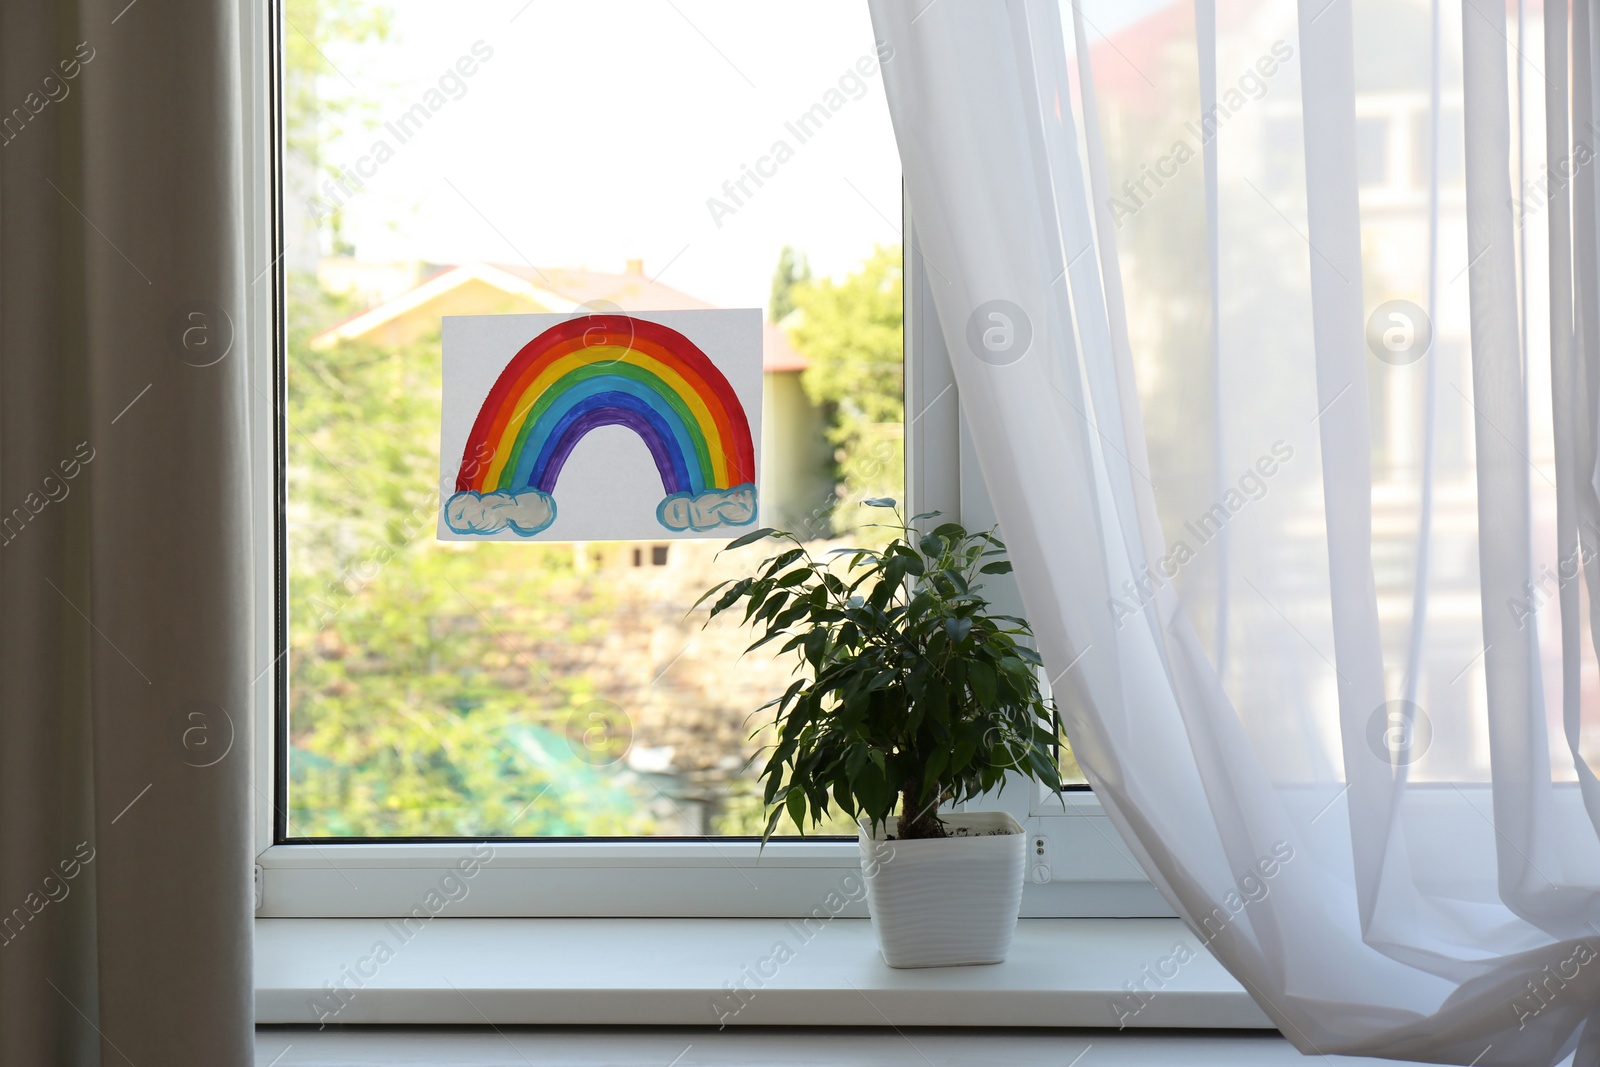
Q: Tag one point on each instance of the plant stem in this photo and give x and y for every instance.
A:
(919, 813)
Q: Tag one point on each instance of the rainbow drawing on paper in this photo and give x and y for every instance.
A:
(606, 370)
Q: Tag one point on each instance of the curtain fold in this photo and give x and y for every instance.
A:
(125, 850)
(1275, 752)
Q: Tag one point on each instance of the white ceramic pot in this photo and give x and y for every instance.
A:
(948, 901)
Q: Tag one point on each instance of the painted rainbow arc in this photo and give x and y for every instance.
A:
(615, 370)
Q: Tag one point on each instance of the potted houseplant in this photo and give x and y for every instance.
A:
(913, 694)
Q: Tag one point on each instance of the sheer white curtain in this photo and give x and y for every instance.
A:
(1263, 503)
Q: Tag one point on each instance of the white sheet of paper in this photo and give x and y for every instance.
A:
(609, 486)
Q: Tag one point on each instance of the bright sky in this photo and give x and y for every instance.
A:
(597, 131)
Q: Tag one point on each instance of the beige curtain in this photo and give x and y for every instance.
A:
(125, 891)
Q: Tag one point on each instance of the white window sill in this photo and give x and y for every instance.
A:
(483, 1046)
(1061, 973)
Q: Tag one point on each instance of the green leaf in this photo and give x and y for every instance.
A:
(872, 786)
(789, 694)
(772, 824)
(782, 560)
(998, 567)
(879, 502)
(982, 678)
(771, 607)
(784, 621)
(936, 765)
(966, 745)
(728, 599)
(767, 638)
(1041, 766)
(794, 577)
(815, 642)
(709, 593)
(750, 538)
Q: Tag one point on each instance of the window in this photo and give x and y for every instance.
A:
(553, 699)
(539, 690)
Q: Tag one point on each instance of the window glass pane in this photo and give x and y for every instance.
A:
(447, 159)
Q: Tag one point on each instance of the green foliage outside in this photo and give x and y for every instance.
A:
(310, 28)
(390, 733)
(311, 117)
(912, 693)
(792, 270)
(853, 333)
(418, 706)
(419, 702)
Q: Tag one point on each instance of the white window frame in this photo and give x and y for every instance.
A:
(1091, 872)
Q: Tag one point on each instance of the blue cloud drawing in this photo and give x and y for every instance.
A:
(710, 509)
(525, 512)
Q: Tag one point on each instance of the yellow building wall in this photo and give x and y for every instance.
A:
(796, 480)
